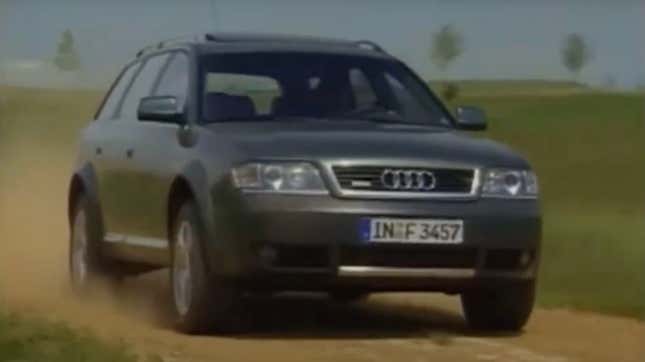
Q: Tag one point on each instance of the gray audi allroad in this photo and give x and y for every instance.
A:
(258, 164)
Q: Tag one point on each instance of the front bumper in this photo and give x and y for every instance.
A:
(313, 243)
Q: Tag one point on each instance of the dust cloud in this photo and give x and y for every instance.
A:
(34, 246)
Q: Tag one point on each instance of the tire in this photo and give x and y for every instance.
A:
(348, 296)
(87, 267)
(504, 310)
(201, 303)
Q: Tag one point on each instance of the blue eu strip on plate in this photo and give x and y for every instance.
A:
(364, 229)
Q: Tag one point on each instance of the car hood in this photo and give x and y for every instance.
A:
(345, 140)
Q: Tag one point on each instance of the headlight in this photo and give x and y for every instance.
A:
(285, 177)
(509, 183)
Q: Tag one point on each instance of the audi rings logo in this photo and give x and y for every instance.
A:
(408, 180)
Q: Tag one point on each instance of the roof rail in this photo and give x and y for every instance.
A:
(365, 44)
(370, 45)
(209, 37)
(180, 39)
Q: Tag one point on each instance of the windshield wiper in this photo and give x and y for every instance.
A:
(376, 114)
(264, 118)
(386, 116)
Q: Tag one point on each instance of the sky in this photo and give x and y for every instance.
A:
(504, 39)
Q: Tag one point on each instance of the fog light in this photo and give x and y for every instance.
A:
(525, 259)
(268, 255)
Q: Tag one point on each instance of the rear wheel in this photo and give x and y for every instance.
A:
(201, 302)
(503, 309)
(87, 267)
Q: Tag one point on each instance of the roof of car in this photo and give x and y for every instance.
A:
(249, 42)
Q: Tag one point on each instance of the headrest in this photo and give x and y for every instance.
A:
(221, 106)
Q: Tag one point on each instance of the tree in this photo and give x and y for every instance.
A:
(576, 53)
(447, 46)
(67, 58)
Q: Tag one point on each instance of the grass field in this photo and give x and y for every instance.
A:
(33, 340)
(504, 88)
(589, 152)
(587, 147)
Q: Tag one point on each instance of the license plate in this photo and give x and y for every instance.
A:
(425, 231)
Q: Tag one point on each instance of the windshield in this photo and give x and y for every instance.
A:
(268, 86)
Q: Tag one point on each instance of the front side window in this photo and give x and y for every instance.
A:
(142, 86)
(174, 81)
(274, 85)
(116, 94)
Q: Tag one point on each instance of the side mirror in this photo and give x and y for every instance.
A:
(164, 109)
(471, 119)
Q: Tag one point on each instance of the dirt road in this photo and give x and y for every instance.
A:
(407, 328)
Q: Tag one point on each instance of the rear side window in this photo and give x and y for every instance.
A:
(142, 86)
(112, 101)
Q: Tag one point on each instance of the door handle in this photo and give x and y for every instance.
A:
(129, 153)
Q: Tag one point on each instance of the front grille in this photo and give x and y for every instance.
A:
(409, 256)
(370, 179)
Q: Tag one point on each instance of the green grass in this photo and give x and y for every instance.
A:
(44, 115)
(496, 88)
(37, 340)
(589, 153)
(587, 147)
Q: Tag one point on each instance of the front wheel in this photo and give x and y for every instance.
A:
(201, 302)
(502, 309)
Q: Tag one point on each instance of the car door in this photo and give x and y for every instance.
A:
(157, 156)
(101, 142)
(121, 189)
